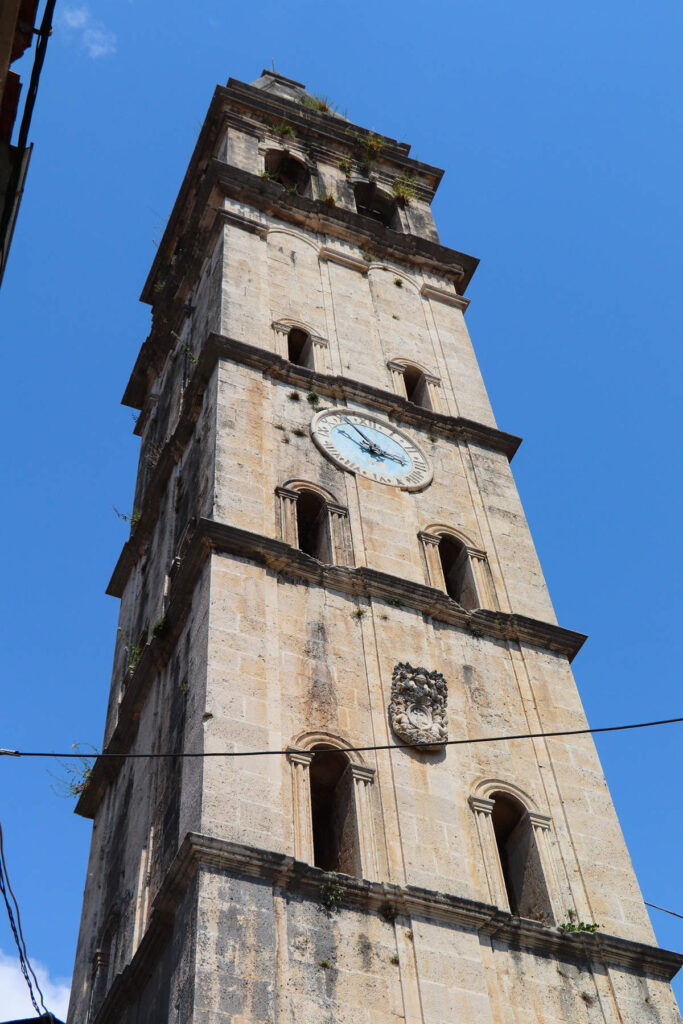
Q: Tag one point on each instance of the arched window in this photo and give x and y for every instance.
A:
(517, 854)
(416, 387)
(296, 342)
(313, 526)
(333, 813)
(333, 819)
(288, 171)
(459, 568)
(313, 521)
(457, 571)
(520, 862)
(372, 202)
(300, 348)
(416, 384)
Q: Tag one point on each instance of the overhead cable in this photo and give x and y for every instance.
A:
(663, 909)
(15, 925)
(74, 754)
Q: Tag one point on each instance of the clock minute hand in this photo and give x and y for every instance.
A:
(366, 439)
(361, 444)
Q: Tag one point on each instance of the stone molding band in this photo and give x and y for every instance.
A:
(166, 288)
(201, 852)
(210, 536)
(339, 389)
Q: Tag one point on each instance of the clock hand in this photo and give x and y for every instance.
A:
(361, 444)
(371, 444)
(394, 458)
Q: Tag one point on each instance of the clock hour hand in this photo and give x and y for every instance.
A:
(394, 458)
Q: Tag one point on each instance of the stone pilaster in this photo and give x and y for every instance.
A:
(288, 525)
(300, 761)
(483, 813)
(363, 778)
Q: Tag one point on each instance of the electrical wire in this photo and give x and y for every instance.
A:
(663, 909)
(44, 34)
(15, 925)
(73, 754)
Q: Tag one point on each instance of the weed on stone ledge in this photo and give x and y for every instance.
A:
(331, 895)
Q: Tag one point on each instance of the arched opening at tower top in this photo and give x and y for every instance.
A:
(372, 202)
(288, 171)
(333, 810)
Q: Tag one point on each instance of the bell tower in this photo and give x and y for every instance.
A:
(329, 574)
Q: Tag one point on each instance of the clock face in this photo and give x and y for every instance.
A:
(365, 444)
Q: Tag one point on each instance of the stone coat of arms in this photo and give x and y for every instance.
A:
(417, 711)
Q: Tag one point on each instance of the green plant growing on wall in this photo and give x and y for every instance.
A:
(133, 653)
(133, 518)
(398, 282)
(190, 354)
(388, 912)
(313, 398)
(358, 614)
(345, 167)
(77, 774)
(574, 925)
(284, 130)
(265, 173)
(326, 197)
(331, 895)
(320, 103)
(325, 964)
(370, 147)
(394, 959)
(405, 188)
(160, 627)
(186, 348)
(153, 453)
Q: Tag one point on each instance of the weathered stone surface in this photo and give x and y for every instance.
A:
(195, 910)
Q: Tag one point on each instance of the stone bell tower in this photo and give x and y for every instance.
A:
(329, 573)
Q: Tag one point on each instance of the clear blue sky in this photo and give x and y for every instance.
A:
(559, 127)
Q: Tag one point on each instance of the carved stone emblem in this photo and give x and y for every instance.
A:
(418, 705)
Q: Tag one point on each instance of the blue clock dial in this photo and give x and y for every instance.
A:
(366, 444)
(371, 449)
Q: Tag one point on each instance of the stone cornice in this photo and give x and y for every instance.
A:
(220, 179)
(335, 388)
(310, 215)
(176, 267)
(206, 853)
(322, 125)
(360, 582)
(242, 95)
